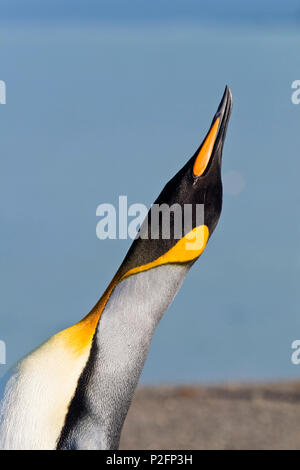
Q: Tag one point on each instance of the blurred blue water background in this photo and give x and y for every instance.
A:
(102, 106)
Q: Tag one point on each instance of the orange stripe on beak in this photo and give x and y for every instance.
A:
(204, 155)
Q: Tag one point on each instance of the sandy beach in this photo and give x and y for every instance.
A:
(254, 416)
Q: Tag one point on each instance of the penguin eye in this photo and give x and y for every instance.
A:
(206, 149)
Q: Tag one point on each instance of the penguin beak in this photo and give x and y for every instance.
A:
(214, 140)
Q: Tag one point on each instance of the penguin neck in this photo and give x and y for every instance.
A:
(119, 350)
(123, 338)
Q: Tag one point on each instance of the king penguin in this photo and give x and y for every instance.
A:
(74, 391)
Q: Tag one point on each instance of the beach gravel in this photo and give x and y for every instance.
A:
(254, 416)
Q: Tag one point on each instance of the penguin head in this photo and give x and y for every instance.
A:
(199, 181)
(196, 192)
(207, 164)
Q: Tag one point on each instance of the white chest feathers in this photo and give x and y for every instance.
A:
(36, 397)
(39, 391)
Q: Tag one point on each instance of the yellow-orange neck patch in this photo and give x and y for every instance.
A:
(78, 338)
(186, 249)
